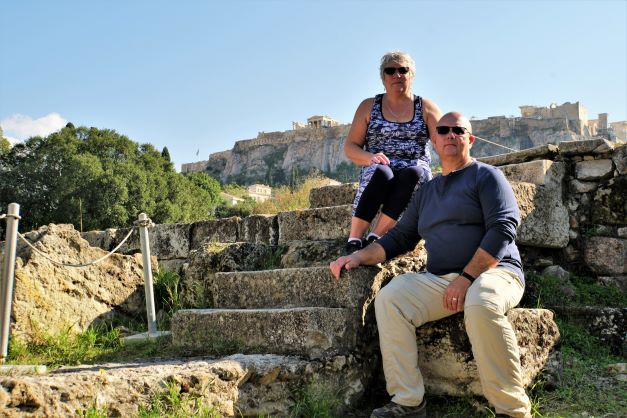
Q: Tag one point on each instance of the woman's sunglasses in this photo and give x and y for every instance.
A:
(444, 130)
(393, 70)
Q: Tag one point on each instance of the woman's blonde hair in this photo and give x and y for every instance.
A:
(398, 57)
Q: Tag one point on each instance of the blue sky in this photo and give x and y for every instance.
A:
(196, 76)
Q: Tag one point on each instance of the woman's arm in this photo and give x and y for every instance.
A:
(431, 114)
(354, 144)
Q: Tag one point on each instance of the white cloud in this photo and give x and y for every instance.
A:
(20, 127)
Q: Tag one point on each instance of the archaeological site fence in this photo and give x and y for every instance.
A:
(7, 276)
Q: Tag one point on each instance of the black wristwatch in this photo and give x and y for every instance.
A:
(468, 276)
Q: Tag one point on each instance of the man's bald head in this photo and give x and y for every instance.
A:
(455, 119)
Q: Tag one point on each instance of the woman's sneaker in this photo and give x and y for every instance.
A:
(352, 246)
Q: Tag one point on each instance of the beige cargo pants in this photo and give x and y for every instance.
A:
(412, 299)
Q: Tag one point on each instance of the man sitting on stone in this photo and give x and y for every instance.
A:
(468, 218)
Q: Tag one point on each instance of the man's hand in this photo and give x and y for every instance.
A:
(348, 262)
(455, 294)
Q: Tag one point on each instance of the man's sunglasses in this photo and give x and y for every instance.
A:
(457, 130)
(393, 70)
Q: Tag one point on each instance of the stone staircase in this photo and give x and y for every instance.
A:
(269, 319)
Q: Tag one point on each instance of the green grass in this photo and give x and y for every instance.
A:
(172, 403)
(586, 384)
(316, 400)
(587, 292)
(65, 348)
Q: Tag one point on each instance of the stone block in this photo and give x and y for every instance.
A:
(610, 202)
(570, 148)
(311, 253)
(342, 194)
(211, 257)
(258, 228)
(542, 152)
(309, 332)
(544, 218)
(169, 241)
(292, 288)
(593, 170)
(326, 223)
(609, 324)
(55, 299)
(237, 385)
(620, 159)
(616, 281)
(448, 366)
(530, 172)
(577, 186)
(604, 255)
(218, 230)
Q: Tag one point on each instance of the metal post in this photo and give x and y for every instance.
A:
(144, 221)
(8, 275)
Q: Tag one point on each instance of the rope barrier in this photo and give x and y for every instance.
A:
(77, 265)
(494, 143)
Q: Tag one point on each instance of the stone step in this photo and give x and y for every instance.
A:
(294, 287)
(238, 385)
(312, 332)
(333, 195)
(329, 223)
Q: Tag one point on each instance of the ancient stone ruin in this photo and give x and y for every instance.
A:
(264, 317)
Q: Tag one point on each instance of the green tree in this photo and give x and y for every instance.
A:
(165, 153)
(100, 176)
(5, 145)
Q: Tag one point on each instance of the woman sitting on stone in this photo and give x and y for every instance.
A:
(389, 137)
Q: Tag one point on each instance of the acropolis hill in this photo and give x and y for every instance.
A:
(276, 157)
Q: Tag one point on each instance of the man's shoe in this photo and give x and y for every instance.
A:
(352, 246)
(392, 410)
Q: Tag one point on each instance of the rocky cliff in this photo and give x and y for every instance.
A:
(278, 157)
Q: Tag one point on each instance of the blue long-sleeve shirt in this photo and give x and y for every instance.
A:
(456, 214)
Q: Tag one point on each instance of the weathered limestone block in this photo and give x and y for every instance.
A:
(205, 261)
(238, 385)
(312, 332)
(100, 239)
(593, 170)
(342, 194)
(609, 324)
(577, 186)
(446, 361)
(616, 281)
(620, 159)
(610, 202)
(290, 288)
(258, 228)
(542, 152)
(605, 255)
(169, 241)
(51, 298)
(315, 224)
(311, 253)
(530, 172)
(590, 146)
(544, 218)
(218, 230)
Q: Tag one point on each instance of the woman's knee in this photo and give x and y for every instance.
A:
(383, 172)
(415, 174)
